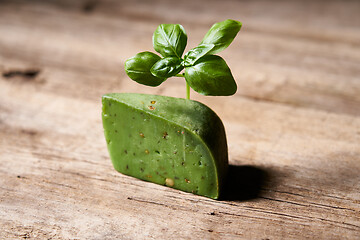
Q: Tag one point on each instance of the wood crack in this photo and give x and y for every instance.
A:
(26, 73)
(173, 207)
(309, 204)
(59, 184)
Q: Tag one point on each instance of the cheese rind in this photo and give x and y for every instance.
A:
(170, 141)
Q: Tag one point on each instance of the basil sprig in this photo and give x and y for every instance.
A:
(206, 73)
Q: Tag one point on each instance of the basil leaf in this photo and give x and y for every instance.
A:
(170, 40)
(194, 54)
(167, 67)
(138, 68)
(211, 76)
(221, 34)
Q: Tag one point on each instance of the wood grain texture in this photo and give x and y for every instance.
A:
(293, 127)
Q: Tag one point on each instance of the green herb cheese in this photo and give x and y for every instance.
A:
(170, 141)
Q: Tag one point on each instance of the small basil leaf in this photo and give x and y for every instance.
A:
(221, 34)
(194, 54)
(167, 67)
(138, 68)
(170, 40)
(211, 76)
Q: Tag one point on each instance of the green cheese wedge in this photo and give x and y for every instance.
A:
(169, 141)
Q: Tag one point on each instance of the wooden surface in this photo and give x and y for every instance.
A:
(293, 127)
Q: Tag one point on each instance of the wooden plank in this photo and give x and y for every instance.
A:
(293, 128)
(55, 172)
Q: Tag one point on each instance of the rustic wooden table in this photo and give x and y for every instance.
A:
(293, 127)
